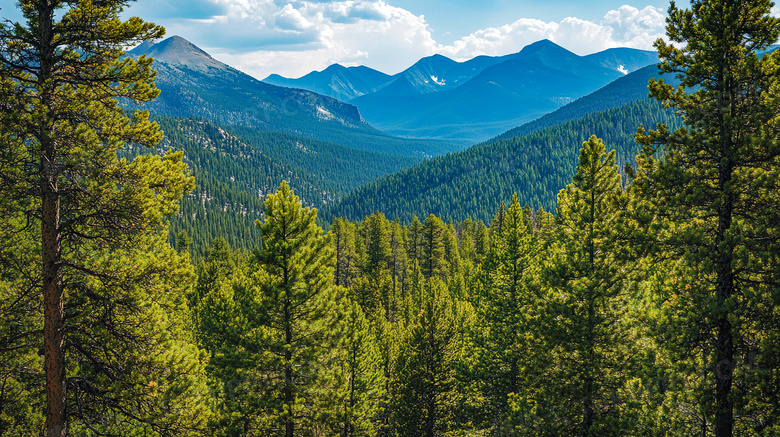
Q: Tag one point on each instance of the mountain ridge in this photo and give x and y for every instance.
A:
(476, 99)
(193, 84)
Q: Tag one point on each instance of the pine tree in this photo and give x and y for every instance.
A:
(111, 290)
(432, 261)
(297, 301)
(364, 372)
(712, 186)
(398, 264)
(377, 244)
(504, 336)
(584, 296)
(343, 237)
(414, 241)
(425, 375)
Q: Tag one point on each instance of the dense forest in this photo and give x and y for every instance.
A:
(234, 168)
(473, 183)
(642, 301)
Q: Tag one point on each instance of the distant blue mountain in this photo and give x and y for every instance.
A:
(624, 59)
(513, 90)
(337, 81)
(193, 84)
(435, 74)
(438, 97)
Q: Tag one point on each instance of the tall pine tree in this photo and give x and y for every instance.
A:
(110, 289)
(584, 295)
(297, 305)
(712, 186)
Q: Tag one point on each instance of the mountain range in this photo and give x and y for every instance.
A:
(534, 160)
(242, 136)
(438, 97)
(194, 84)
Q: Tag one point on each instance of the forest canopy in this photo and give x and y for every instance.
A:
(644, 302)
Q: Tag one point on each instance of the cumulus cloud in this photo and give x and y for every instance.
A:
(300, 36)
(295, 37)
(289, 18)
(625, 27)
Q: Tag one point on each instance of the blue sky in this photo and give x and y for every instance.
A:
(293, 38)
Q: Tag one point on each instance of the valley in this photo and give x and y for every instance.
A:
(541, 103)
(523, 228)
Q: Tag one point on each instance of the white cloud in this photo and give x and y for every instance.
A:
(624, 27)
(289, 18)
(294, 37)
(371, 33)
(500, 41)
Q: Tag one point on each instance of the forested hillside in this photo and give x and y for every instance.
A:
(544, 285)
(473, 183)
(193, 84)
(630, 88)
(235, 168)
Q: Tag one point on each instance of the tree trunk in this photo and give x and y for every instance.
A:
(53, 324)
(724, 350)
(724, 344)
(289, 395)
(51, 249)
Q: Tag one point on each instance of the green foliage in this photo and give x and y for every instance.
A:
(424, 373)
(102, 293)
(712, 187)
(474, 182)
(584, 295)
(506, 347)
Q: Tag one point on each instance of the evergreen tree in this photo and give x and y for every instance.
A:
(497, 224)
(712, 186)
(365, 377)
(377, 244)
(398, 263)
(453, 262)
(584, 295)
(414, 241)
(432, 261)
(424, 373)
(343, 236)
(504, 334)
(296, 300)
(110, 288)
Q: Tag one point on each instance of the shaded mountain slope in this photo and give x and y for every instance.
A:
(629, 88)
(193, 84)
(474, 182)
(234, 172)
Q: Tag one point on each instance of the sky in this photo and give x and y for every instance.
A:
(292, 38)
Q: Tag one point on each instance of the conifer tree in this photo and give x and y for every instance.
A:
(414, 241)
(110, 288)
(452, 261)
(712, 186)
(297, 303)
(343, 237)
(398, 263)
(364, 373)
(432, 261)
(497, 224)
(425, 375)
(377, 244)
(504, 335)
(584, 297)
